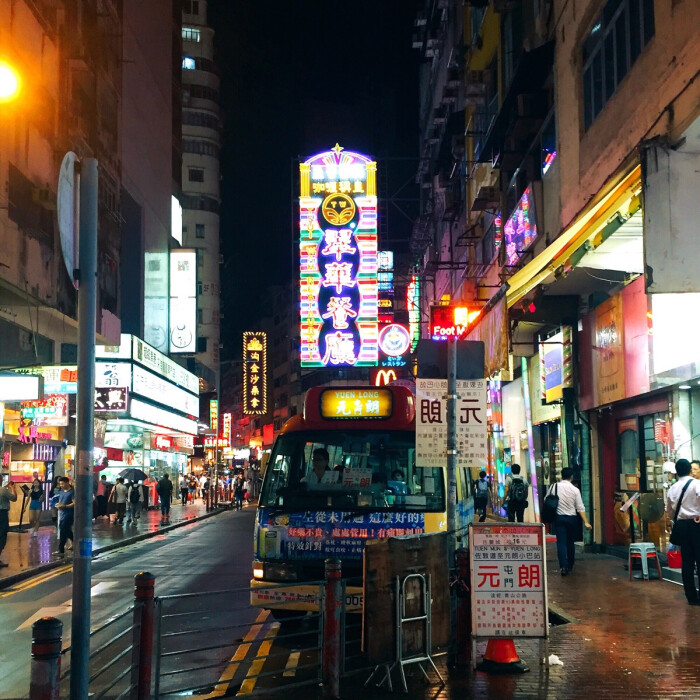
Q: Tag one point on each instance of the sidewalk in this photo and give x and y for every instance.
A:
(626, 639)
(27, 555)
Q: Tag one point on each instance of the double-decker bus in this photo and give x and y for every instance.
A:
(340, 474)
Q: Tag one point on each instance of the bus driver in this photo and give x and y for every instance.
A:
(319, 460)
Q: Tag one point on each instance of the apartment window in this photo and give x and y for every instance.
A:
(188, 63)
(190, 7)
(201, 344)
(196, 175)
(199, 230)
(191, 34)
(548, 143)
(200, 288)
(619, 34)
(201, 148)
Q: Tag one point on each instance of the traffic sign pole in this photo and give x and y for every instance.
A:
(452, 483)
(82, 471)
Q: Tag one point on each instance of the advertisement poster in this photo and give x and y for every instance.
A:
(508, 580)
(321, 534)
(431, 423)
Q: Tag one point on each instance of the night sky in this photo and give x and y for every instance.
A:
(297, 77)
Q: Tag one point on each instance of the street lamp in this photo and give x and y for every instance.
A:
(10, 82)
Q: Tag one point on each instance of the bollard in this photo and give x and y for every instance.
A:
(142, 631)
(46, 659)
(464, 613)
(332, 601)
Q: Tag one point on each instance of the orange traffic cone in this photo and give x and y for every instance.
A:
(500, 657)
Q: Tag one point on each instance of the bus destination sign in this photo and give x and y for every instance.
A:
(344, 404)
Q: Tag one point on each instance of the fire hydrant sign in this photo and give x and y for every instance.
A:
(508, 580)
(431, 423)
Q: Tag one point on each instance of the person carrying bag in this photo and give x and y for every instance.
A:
(683, 506)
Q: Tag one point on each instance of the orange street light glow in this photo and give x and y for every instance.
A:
(9, 82)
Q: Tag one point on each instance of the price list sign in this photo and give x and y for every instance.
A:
(508, 580)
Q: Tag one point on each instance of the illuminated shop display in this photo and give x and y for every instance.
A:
(52, 410)
(413, 306)
(556, 365)
(338, 260)
(214, 415)
(254, 373)
(226, 429)
(520, 230)
(111, 398)
(394, 340)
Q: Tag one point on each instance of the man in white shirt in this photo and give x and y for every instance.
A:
(570, 507)
(687, 490)
(319, 459)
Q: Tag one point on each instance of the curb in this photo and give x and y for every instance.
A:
(48, 566)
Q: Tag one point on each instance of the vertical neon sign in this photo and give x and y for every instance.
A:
(338, 260)
(254, 373)
(413, 307)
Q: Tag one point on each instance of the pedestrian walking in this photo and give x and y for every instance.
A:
(238, 492)
(134, 499)
(683, 508)
(66, 511)
(515, 496)
(101, 493)
(165, 493)
(36, 496)
(7, 495)
(481, 496)
(118, 497)
(566, 525)
(184, 490)
(192, 487)
(246, 490)
(53, 497)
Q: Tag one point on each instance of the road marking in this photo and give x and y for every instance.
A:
(290, 670)
(261, 657)
(240, 654)
(37, 580)
(97, 589)
(54, 611)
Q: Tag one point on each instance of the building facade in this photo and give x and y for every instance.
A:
(576, 118)
(201, 143)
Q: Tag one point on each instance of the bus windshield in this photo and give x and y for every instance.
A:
(336, 470)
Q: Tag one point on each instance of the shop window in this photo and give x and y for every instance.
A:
(617, 37)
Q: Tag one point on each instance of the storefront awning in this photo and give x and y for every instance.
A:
(614, 197)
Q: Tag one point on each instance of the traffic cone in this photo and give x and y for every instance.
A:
(500, 657)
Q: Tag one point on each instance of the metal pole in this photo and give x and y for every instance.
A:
(330, 658)
(46, 659)
(142, 648)
(452, 483)
(82, 473)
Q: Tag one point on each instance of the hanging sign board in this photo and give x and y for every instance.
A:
(67, 213)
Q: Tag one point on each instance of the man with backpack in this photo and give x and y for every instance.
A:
(134, 500)
(515, 497)
(481, 496)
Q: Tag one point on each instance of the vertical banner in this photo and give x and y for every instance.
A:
(338, 260)
(183, 301)
(226, 429)
(254, 373)
(431, 423)
(214, 415)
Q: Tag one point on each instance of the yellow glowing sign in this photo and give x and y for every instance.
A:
(346, 404)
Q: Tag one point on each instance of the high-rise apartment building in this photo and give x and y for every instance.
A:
(200, 199)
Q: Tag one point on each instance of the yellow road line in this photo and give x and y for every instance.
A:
(290, 669)
(236, 659)
(252, 676)
(37, 580)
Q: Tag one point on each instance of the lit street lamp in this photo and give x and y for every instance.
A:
(10, 82)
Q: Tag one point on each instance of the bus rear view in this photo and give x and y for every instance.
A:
(340, 474)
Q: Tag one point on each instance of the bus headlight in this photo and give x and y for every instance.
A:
(258, 570)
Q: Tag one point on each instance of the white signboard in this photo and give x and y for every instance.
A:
(112, 374)
(183, 300)
(159, 416)
(508, 580)
(149, 357)
(431, 423)
(153, 387)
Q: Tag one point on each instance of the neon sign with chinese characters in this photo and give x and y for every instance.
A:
(338, 260)
(254, 373)
(413, 306)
